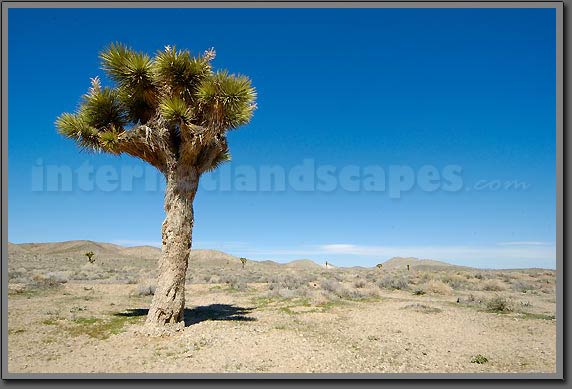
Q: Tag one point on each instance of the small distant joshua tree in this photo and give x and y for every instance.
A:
(173, 111)
(407, 267)
(90, 256)
(243, 261)
(326, 263)
(379, 266)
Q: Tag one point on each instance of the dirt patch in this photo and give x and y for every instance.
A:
(62, 331)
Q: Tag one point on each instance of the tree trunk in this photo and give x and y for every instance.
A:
(169, 300)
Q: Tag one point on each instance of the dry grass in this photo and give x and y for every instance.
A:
(438, 287)
(494, 285)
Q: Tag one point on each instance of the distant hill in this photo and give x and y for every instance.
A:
(416, 263)
(302, 264)
(212, 257)
(141, 251)
(70, 247)
(202, 257)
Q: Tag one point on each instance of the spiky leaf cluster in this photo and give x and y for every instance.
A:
(172, 92)
(226, 100)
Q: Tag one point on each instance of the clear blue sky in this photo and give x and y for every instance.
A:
(473, 88)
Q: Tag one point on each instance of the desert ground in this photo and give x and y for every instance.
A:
(67, 315)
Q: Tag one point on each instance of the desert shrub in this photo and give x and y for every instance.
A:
(522, 286)
(90, 272)
(332, 286)
(465, 275)
(425, 277)
(422, 308)
(47, 281)
(214, 280)
(288, 281)
(288, 286)
(236, 283)
(302, 292)
(146, 289)
(455, 281)
(372, 276)
(18, 276)
(505, 277)
(479, 359)
(121, 277)
(438, 287)
(548, 291)
(494, 285)
(286, 293)
(469, 300)
(61, 277)
(483, 275)
(499, 304)
(318, 297)
(394, 282)
(360, 293)
(418, 292)
(359, 284)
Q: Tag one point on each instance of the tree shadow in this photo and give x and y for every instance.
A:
(222, 312)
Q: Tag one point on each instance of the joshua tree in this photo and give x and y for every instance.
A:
(89, 256)
(379, 266)
(407, 267)
(173, 112)
(243, 261)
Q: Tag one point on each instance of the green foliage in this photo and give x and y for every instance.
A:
(182, 73)
(479, 359)
(133, 72)
(101, 107)
(171, 89)
(73, 126)
(226, 100)
(243, 261)
(130, 69)
(175, 110)
(109, 140)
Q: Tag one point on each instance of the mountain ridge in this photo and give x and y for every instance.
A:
(80, 247)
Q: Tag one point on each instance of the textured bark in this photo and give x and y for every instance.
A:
(169, 300)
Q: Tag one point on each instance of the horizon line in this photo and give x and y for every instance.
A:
(389, 258)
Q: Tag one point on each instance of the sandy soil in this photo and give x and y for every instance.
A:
(87, 327)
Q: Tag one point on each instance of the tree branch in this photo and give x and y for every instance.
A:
(195, 140)
(149, 144)
(211, 155)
